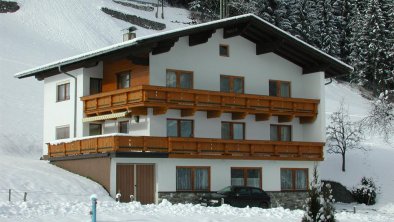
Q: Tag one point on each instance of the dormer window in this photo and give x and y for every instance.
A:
(224, 50)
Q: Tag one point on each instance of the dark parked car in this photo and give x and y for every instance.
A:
(238, 196)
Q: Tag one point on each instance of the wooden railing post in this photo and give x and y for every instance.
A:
(116, 144)
(144, 148)
(64, 149)
(97, 144)
(49, 149)
(169, 145)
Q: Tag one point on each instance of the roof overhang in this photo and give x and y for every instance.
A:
(266, 36)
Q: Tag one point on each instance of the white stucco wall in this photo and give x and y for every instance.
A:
(165, 171)
(211, 128)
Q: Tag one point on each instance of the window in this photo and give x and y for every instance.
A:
(224, 51)
(62, 132)
(179, 79)
(124, 127)
(280, 133)
(246, 177)
(293, 179)
(233, 84)
(180, 128)
(95, 85)
(279, 88)
(192, 178)
(63, 92)
(95, 129)
(124, 80)
(233, 131)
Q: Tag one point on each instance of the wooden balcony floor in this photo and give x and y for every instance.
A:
(192, 148)
(137, 99)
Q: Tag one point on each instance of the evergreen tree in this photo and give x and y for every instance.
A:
(327, 32)
(374, 48)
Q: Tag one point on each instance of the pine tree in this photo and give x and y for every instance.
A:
(327, 32)
(374, 48)
(319, 204)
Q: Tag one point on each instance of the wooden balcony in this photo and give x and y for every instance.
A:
(138, 99)
(192, 148)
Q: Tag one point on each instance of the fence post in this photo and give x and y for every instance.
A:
(24, 197)
(9, 195)
(93, 198)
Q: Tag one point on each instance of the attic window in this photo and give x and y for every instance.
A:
(224, 51)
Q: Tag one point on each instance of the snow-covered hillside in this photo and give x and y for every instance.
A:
(43, 31)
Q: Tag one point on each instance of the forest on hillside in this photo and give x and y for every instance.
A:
(358, 32)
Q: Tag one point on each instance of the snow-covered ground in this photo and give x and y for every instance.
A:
(43, 31)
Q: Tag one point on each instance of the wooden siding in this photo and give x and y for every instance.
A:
(201, 100)
(193, 148)
(97, 169)
(139, 74)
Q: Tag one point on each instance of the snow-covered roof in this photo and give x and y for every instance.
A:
(333, 65)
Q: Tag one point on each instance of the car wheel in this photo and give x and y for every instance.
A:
(264, 205)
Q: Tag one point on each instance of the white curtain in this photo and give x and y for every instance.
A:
(186, 80)
(286, 179)
(171, 79)
(183, 179)
(300, 180)
(201, 179)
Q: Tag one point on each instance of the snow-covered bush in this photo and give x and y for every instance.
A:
(365, 192)
(319, 204)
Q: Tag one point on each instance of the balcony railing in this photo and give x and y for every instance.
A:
(191, 148)
(191, 100)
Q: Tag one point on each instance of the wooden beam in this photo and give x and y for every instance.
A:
(307, 119)
(139, 60)
(138, 111)
(199, 38)
(187, 112)
(232, 31)
(214, 113)
(315, 68)
(164, 46)
(267, 47)
(285, 118)
(159, 110)
(238, 115)
(262, 116)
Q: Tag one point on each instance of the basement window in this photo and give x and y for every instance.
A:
(224, 50)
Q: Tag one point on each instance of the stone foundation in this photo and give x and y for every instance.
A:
(290, 200)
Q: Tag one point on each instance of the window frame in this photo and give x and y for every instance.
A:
(100, 80)
(293, 179)
(227, 50)
(279, 132)
(179, 127)
(66, 92)
(178, 77)
(60, 127)
(128, 72)
(231, 81)
(278, 87)
(232, 129)
(127, 124)
(245, 171)
(101, 128)
(192, 178)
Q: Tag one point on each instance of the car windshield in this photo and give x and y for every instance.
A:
(225, 190)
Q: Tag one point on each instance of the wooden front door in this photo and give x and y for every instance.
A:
(137, 180)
